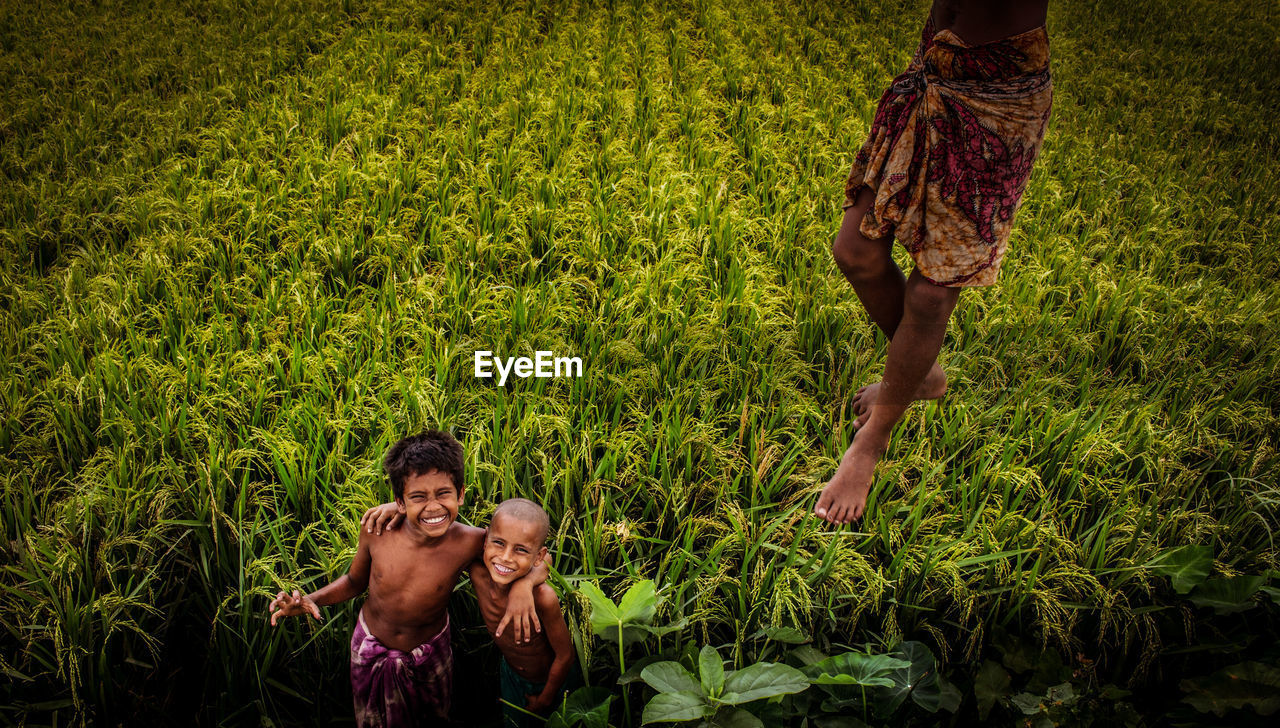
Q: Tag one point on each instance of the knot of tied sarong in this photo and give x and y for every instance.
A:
(1020, 67)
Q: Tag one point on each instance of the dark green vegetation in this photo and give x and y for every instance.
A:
(243, 249)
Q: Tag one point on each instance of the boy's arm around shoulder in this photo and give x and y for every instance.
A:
(348, 586)
(522, 608)
(557, 632)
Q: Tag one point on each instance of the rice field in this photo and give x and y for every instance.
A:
(245, 247)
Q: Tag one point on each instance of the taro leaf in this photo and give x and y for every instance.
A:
(919, 680)
(780, 711)
(1272, 592)
(634, 669)
(785, 635)
(808, 655)
(1061, 695)
(603, 611)
(1029, 704)
(1249, 683)
(736, 718)
(949, 695)
(674, 707)
(588, 707)
(711, 670)
(1227, 595)
(664, 631)
(1186, 566)
(991, 684)
(640, 603)
(670, 677)
(840, 698)
(855, 668)
(614, 622)
(762, 680)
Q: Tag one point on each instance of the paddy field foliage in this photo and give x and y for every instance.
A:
(245, 247)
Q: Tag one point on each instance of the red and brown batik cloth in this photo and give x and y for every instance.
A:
(950, 152)
(395, 689)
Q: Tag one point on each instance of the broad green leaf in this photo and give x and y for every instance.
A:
(1061, 695)
(949, 695)
(639, 604)
(674, 707)
(808, 655)
(608, 620)
(604, 613)
(1029, 704)
(868, 682)
(670, 677)
(1247, 684)
(855, 668)
(666, 630)
(1226, 596)
(711, 670)
(919, 680)
(991, 684)
(588, 707)
(635, 668)
(628, 634)
(1186, 566)
(762, 680)
(736, 718)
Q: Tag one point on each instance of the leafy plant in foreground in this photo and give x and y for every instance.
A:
(628, 621)
(587, 707)
(715, 694)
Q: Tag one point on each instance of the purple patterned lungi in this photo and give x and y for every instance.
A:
(394, 688)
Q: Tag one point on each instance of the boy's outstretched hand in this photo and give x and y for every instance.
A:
(285, 605)
(386, 516)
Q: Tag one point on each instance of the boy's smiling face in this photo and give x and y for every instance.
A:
(512, 547)
(430, 503)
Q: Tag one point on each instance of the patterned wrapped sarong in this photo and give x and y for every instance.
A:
(950, 152)
(394, 688)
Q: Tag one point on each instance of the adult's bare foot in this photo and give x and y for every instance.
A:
(933, 387)
(845, 495)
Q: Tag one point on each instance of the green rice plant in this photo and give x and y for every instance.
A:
(241, 254)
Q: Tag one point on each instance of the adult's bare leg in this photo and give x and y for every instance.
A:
(879, 284)
(913, 352)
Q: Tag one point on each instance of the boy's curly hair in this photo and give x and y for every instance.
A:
(418, 454)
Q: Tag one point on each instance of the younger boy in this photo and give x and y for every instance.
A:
(535, 671)
(534, 674)
(401, 656)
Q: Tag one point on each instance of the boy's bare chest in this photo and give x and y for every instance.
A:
(420, 579)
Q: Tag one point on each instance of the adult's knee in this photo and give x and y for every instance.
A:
(858, 257)
(929, 300)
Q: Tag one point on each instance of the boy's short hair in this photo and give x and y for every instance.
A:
(418, 454)
(527, 511)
